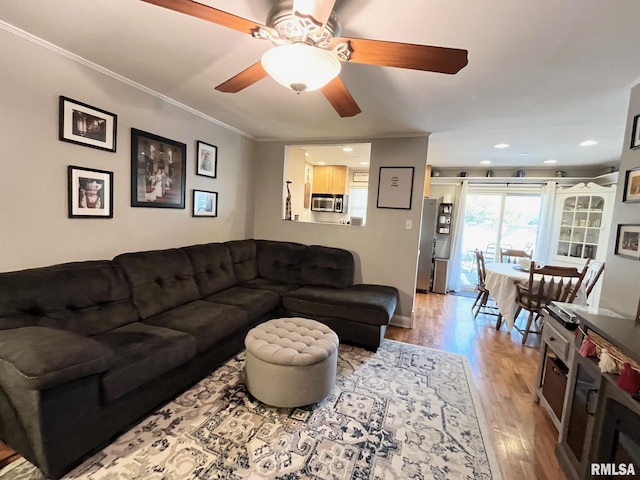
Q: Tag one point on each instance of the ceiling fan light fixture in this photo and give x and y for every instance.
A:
(301, 67)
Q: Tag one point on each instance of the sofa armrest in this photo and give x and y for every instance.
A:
(39, 357)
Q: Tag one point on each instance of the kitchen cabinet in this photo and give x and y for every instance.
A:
(582, 221)
(329, 179)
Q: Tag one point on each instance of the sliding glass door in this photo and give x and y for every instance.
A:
(495, 219)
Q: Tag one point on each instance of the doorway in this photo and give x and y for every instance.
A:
(494, 220)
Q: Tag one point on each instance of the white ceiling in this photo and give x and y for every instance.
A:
(542, 76)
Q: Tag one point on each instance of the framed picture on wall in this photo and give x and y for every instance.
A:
(90, 193)
(207, 160)
(635, 133)
(632, 186)
(158, 171)
(628, 241)
(395, 187)
(86, 125)
(205, 204)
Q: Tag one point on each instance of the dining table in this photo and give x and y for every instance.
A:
(500, 281)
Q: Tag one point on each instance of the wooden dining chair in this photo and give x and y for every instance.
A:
(482, 299)
(510, 255)
(594, 272)
(545, 285)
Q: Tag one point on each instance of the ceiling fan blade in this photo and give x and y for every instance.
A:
(245, 78)
(340, 98)
(406, 55)
(209, 14)
(318, 11)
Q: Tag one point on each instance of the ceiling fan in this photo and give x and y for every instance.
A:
(308, 49)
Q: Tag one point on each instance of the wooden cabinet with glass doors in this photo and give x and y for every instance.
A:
(584, 215)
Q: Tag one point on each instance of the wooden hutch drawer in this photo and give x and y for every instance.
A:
(557, 340)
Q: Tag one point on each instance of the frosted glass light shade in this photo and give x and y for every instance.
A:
(300, 66)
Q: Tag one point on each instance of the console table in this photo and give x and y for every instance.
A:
(598, 423)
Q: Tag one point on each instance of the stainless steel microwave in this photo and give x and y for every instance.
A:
(328, 202)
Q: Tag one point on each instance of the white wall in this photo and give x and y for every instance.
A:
(620, 287)
(34, 227)
(385, 252)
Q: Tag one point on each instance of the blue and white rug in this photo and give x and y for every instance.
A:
(405, 412)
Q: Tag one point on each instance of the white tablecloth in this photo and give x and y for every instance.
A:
(500, 280)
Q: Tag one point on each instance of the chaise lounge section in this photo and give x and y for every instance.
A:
(88, 348)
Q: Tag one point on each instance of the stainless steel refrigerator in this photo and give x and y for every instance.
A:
(427, 247)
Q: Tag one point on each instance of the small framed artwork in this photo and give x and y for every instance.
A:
(158, 171)
(207, 160)
(86, 125)
(205, 204)
(628, 241)
(90, 193)
(632, 186)
(360, 176)
(635, 133)
(395, 187)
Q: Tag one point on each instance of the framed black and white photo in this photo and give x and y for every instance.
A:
(158, 171)
(628, 241)
(90, 193)
(395, 187)
(207, 160)
(86, 125)
(632, 186)
(205, 204)
(635, 133)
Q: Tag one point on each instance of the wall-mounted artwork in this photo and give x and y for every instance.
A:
(90, 193)
(395, 187)
(628, 241)
(86, 125)
(158, 171)
(207, 160)
(205, 204)
(632, 186)
(635, 133)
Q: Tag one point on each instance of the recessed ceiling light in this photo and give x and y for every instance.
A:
(523, 154)
(485, 162)
(501, 145)
(588, 143)
(347, 149)
(364, 163)
(551, 160)
(322, 163)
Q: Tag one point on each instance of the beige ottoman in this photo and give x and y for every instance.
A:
(290, 362)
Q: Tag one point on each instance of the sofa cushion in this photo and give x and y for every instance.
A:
(212, 267)
(243, 256)
(207, 322)
(264, 284)
(256, 302)
(39, 357)
(326, 266)
(370, 304)
(142, 353)
(280, 261)
(82, 297)
(159, 279)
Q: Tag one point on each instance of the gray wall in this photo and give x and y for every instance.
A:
(385, 251)
(34, 227)
(620, 290)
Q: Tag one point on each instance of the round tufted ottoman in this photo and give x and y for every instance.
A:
(290, 362)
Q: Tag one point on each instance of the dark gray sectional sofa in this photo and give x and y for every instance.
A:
(88, 348)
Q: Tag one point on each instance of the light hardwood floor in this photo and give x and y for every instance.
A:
(504, 371)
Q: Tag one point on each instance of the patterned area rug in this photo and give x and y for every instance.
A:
(405, 412)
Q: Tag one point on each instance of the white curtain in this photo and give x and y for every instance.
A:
(544, 248)
(455, 262)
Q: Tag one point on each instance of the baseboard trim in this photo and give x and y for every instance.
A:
(402, 321)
